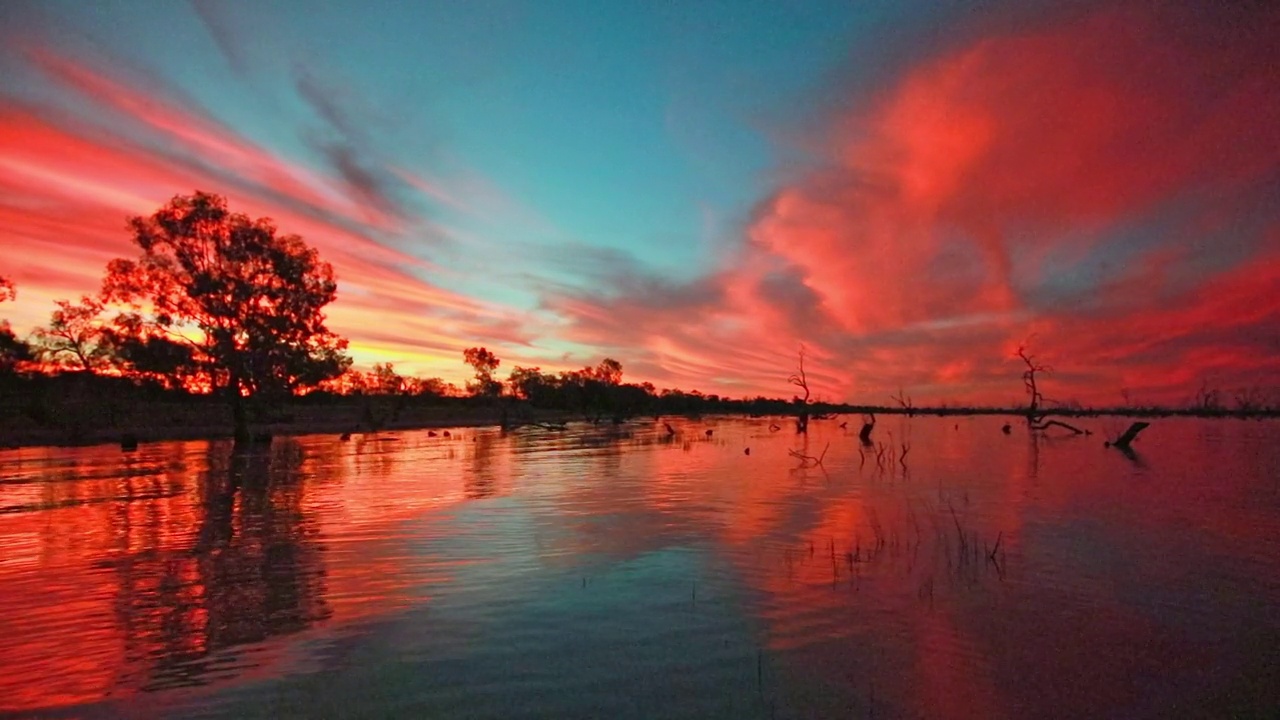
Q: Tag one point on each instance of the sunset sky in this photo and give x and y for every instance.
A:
(694, 188)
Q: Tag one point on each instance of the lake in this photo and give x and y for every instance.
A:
(606, 572)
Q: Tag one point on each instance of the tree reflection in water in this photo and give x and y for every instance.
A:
(252, 570)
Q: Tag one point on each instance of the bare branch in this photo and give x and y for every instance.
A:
(809, 460)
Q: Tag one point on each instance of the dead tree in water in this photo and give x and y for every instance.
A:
(904, 402)
(801, 381)
(1034, 413)
(1035, 407)
(868, 424)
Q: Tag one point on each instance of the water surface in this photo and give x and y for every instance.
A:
(618, 572)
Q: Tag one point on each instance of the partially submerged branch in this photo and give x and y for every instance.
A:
(809, 460)
(1058, 423)
(1124, 441)
(868, 424)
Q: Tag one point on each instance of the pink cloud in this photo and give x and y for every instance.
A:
(68, 187)
(924, 251)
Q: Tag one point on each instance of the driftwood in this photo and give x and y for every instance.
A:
(1124, 441)
(1046, 425)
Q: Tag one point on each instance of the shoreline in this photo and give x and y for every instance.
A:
(433, 417)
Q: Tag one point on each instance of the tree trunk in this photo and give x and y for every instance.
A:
(239, 412)
(240, 416)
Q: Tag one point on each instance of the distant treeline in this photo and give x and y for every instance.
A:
(219, 322)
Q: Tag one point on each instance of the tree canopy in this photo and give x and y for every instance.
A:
(12, 349)
(245, 302)
(76, 337)
(484, 363)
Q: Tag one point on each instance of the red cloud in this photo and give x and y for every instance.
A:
(1098, 186)
(68, 185)
(955, 196)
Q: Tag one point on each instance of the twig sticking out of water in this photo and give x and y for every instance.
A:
(809, 460)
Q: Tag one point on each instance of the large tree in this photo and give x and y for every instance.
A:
(246, 301)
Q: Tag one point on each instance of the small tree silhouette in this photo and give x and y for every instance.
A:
(800, 380)
(1034, 367)
(13, 350)
(484, 363)
(76, 337)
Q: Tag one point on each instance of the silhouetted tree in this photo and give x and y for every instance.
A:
(800, 380)
(531, 384)
(609, 372)
(1207, 399)
(484, 363)
(155, 359)
(904, 402)
(430, 387)
(246, 301)
(1035, 398)
(77, 337)
(13, 350)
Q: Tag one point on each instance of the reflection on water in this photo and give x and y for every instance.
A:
(623, 572)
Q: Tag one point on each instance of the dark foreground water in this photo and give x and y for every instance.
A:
(606, 573)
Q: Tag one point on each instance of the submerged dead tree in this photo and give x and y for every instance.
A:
(904, 401)
(1036, 411)
(1035, 397)
(800, 380)
(868, 424)
(1035, 407)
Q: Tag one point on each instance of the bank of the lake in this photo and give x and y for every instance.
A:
(208, 420)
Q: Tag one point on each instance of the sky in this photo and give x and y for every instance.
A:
(911, 191)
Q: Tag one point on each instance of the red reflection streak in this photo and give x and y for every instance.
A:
(120, 567)
(806, 540)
